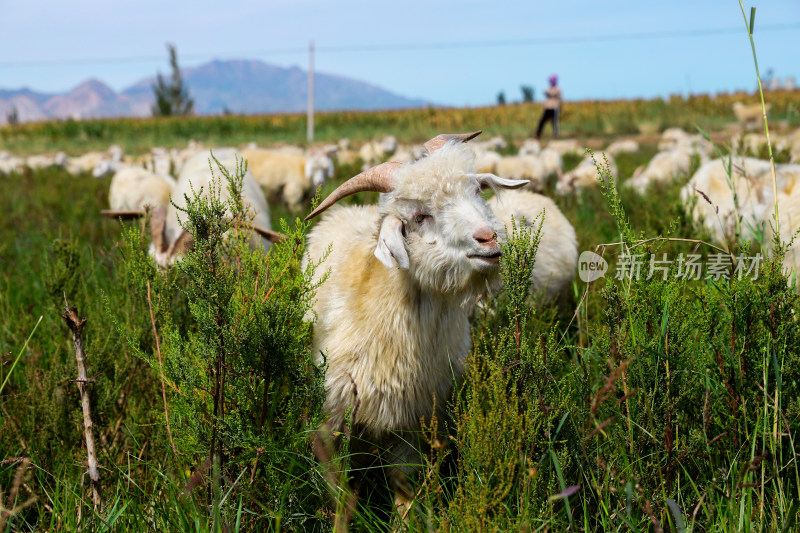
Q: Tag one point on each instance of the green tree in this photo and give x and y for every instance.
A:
(527, 93)
(172, 98)
(12, 117)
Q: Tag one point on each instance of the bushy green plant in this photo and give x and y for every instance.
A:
(240, 384)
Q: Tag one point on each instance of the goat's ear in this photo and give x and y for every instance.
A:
(391, 243)
(496, 182)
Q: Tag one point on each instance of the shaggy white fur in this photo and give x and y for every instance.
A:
(135, 187)
(292, 175)
(711, 179)
(523, 167)
(663, 167)
(557, 256)
(585, 174)
(196, 173)
(392, 318)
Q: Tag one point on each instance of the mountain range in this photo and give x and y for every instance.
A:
(236, 86)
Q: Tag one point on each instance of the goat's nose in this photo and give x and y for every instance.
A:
(485, 236)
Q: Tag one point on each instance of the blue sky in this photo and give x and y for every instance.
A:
(480, 47)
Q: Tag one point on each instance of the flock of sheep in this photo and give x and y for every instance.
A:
(404, 276)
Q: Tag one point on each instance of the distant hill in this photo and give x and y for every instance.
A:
(237, 86)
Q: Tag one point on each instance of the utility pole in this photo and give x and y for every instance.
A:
(310, 133)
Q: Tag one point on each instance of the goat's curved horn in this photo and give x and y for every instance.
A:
(489, 180)
(270, 235)
(440, 140)
(378, 178)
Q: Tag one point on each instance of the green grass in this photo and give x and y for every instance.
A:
(703, 436)
(660, 405)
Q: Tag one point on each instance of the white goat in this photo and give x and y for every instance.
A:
(10, 163)
(134, 187)
(87, 162)
(35, 162)
(715, 207)
(585, 174)
(557, 255)
(749, 114)
(622, 146)
(673, 138)
(565, 146)
(170, 240)
(523, 167)
(392, 319)
(373, 152)
(530, 147)
(664, 167)
(486, 160)
(788, 224)
(290, 175)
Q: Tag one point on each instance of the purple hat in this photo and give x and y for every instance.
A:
(553, 79)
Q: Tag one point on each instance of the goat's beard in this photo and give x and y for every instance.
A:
(450, 273)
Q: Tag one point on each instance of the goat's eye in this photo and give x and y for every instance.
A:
(419, 218)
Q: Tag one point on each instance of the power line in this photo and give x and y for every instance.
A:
(559, 40)
(636, 36)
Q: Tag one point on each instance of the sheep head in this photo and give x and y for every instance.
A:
(433, 221)
(319, 167)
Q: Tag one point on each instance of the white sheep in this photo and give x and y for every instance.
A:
(408, 154)
(290, 175)
(716, 207)
(585, 174)
(523, 167)
(553, 162)
(530, 147)
(39, 161)
(749, 114)
(486, 160)
(494, 144)
(664, 167)
(133, 188)
(793, 145)
(373, 152)
(11, 163)
(787, 180)
(392, 319)
(753, 143)
(170, 240)
(788, 224)
(557, 255)
(673, 138)
(622, 146)
(86, 163)
(565, 146)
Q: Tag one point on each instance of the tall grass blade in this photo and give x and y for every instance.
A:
(10, 370)
(791, 518)
(676, 515)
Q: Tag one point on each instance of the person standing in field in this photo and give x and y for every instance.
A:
(552, 107)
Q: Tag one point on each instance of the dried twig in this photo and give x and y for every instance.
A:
(76, 324)
(8, 508)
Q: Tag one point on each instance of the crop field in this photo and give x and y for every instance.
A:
(638, 403)
(515, 122)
